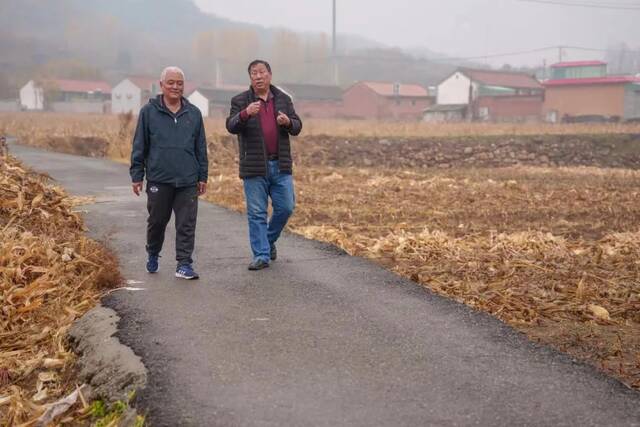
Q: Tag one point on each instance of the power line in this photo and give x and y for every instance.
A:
(496, 55)
(595, 49)
(405, 60)
(611, 6)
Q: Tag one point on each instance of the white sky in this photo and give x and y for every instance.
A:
(454, 27)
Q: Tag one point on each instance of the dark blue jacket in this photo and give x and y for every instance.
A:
(169, 148)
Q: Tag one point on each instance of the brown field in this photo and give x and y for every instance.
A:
(554, 252)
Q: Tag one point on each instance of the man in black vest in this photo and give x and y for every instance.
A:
(263, 117)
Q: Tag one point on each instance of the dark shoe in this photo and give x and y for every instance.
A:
(152, 264)
(274, 252)
(258, 265)
(186, 272)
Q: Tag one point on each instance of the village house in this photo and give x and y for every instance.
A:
(130, 94)
(582, 90)
(66, 96)
(487, 95)
(311, 101)
(315, 101)
(133, 92)
(216, 101)
(385, 101)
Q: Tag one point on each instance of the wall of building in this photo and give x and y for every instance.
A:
(126, 97)
(31, 97)
(9, 105)
(443, 116)
(578, 100)
(319, 109)
(360, 102)
(409, 109)
(99, 107)
(579, 72)
(632, 101)
(511, 108)
(454, 90)
(200, 101)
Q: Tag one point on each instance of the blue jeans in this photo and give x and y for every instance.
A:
(257, 190)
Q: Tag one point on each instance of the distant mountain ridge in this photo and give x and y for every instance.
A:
(109, 39)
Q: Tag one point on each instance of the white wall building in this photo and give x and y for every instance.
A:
(201, 101)
(31, 96)
(132, 93)
(213, 102)
(455, 90)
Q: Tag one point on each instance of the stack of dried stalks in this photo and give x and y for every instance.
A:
(50, 274)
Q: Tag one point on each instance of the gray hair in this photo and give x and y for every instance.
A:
(171, 69)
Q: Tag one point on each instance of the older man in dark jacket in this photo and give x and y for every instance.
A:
(169, 146)
(263, 117)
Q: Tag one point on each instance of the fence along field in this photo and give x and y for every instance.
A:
(552, 251)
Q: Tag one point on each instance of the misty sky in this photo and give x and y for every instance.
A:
(454, 27)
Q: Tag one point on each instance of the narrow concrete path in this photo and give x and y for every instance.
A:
(319, 339)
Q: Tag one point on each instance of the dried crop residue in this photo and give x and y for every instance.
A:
(50, 274)
(553, 252)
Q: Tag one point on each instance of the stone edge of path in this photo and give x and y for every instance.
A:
(111, 369)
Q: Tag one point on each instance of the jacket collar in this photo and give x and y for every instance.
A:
(274, 90)
(159, 104)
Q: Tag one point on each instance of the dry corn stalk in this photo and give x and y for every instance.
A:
(49, 275)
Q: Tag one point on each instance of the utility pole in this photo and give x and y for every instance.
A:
(334, 55)
(333, 37)
(559, 53)
(218, 73)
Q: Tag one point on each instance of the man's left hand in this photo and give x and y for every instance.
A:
(202, 188)
(283, 119)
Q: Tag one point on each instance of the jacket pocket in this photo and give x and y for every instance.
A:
(192, 155)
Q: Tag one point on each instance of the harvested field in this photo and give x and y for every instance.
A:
(552, 251)
(40, 127)
(50, 274)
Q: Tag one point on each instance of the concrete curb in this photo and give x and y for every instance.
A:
(109, 367)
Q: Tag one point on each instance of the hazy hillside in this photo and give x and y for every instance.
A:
(109, 39)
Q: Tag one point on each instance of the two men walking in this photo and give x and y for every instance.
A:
(170, 148)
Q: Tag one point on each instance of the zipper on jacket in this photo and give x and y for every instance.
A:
(264, 145)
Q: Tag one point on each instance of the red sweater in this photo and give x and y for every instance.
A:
(267, 117)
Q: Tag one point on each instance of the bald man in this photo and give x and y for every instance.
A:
(170, 149)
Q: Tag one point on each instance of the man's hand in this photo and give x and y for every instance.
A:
(202, 188)
(253, 108)
(137, 188)
(283, 119)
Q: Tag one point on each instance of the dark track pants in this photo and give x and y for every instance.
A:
(183, 201)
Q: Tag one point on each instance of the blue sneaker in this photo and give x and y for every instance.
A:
(186, 272)
(152, 264)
